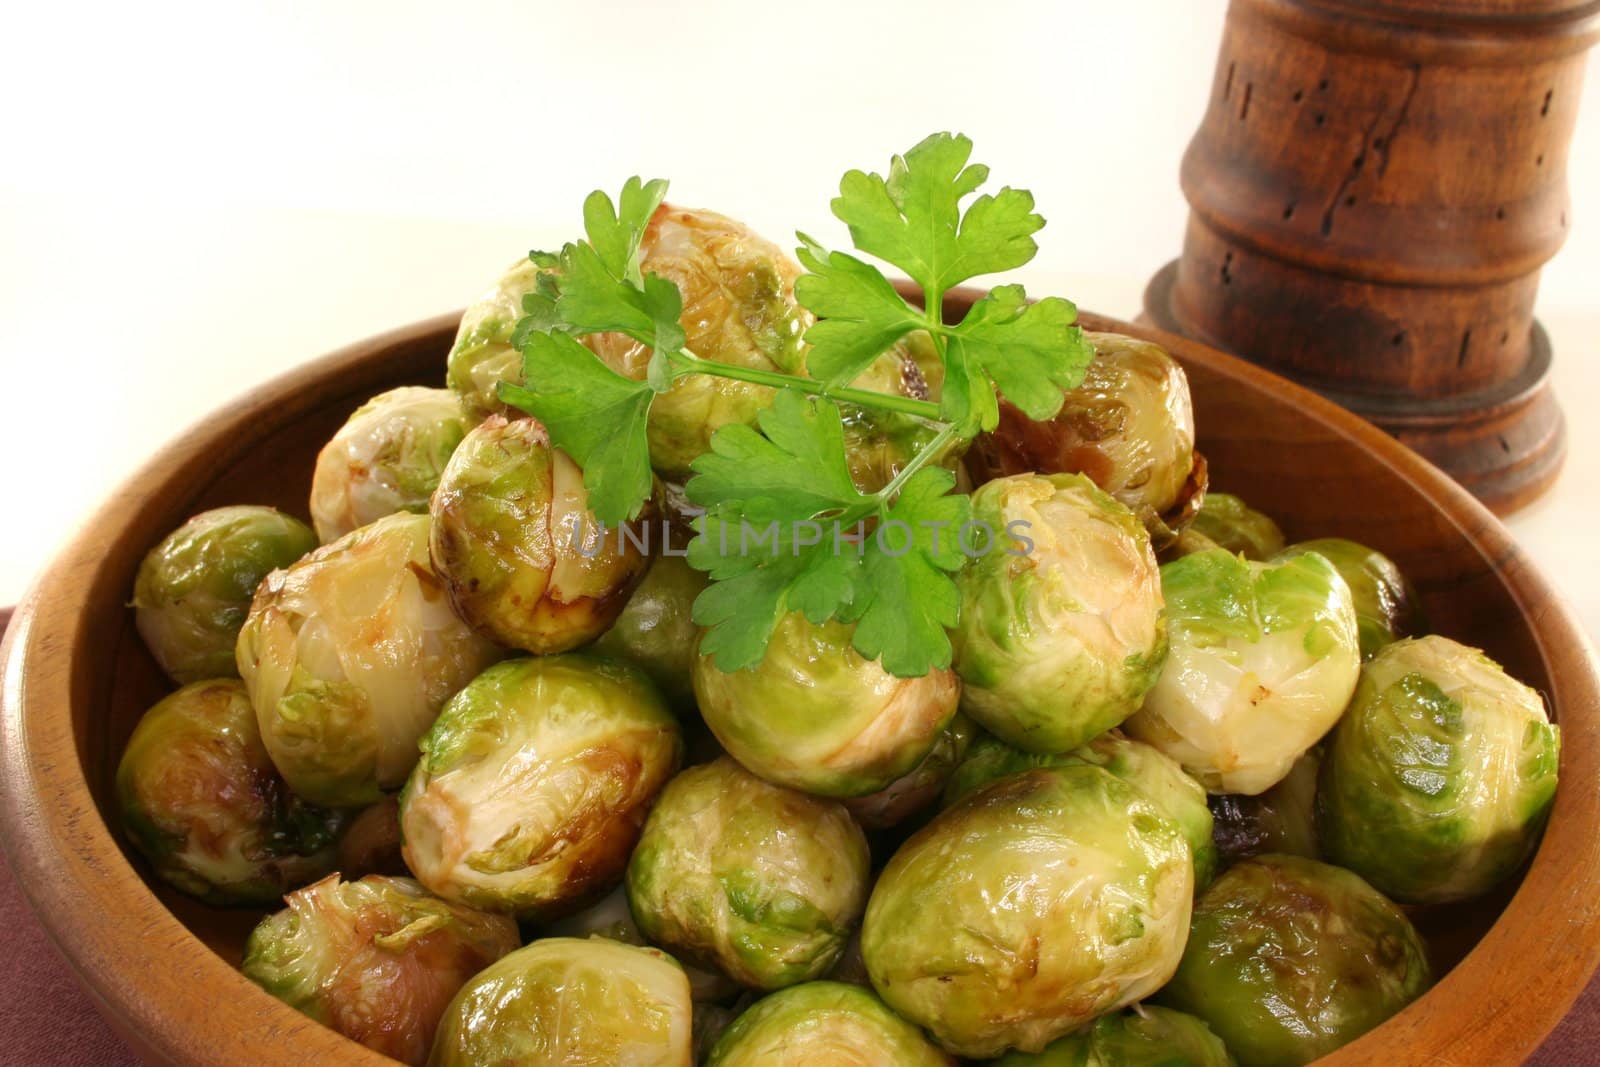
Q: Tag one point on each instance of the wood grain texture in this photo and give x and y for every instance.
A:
(1373, 190)
(161, 967)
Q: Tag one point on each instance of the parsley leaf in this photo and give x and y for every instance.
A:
(787, 530)
(905, 598)
(797, 462)
(913, 218)
(594, 415)
(1033, 352)
(615, 232)
(859, 314)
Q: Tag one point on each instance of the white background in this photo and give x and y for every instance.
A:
(193, 199)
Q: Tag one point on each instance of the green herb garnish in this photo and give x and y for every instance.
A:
(785, 527)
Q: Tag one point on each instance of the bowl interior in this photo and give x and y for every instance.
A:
(1268, 442)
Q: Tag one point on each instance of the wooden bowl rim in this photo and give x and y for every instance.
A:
(106, 921)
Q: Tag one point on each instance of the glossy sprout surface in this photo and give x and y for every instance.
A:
(1264, 659)
(377, 959)
(1288, 959)
(386, 458)
(534, 783)
(758, 881)
(1061, 630)
(1143, 1036)
(1439, 778)
(823, 1023)
(349, 654)
(1029, 908)
(194, 589)
(1157, 776)
(816, 716)
(562, 1002)
(200, 799)
(525, 561)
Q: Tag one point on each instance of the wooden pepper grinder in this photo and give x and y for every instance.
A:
(1373, 191)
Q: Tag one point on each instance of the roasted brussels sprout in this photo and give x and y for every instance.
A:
(759, 881)
(1143, 1036)
(1283, 819)
(482, 355)
(1061, 631)
(1288, 959)
(534, 782)
(1162, 781)
(525, 560)
(1440, 776)
(1129, 427)
(1227, 522)
(194, 589)
(1264, 658)
(738, 308)
(1387, 607)
(611, 917)
(823, 1023)
(1035, 904)
(349, 654)
(562, 1002)
(816, 716)
(655, 631)
(200, 799)
(387, 458)
(919, 787)
(377, 960)
(878, 443)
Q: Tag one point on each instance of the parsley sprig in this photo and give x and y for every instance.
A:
(785, 526)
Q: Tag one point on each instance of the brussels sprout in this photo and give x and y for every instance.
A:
(1264, 658)
(377, 960)
(655, 631)
(1288, 959)
(1283, 819)
(1227, 522)
(349, 654)
(878, 443)
(525, 561)
(816, 716)
(1035, 904)
(738, 308)
(199, 798)
(1387, 607)
(1161, 780)
(1440, 776)
(387, 458)
(194, 588)
(757, 880)
(534, 782)
(823, 1023)
(1129, 426)
(1061, 631)
(918, 787)
(562, 1002)
(1144, 1036)
(611, 918)
(371, 843)
(482, 355)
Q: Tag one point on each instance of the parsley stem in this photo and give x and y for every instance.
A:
(925, 454)
(687, 362)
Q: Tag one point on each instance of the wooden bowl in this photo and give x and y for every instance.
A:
(161, 967)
